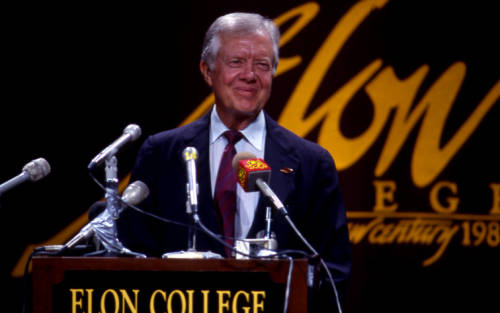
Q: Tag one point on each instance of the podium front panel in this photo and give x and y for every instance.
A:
(103, 285)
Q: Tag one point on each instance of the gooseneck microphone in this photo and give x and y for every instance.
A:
(130, 133)
(32, 171)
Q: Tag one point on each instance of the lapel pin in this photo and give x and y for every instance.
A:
(286, 170)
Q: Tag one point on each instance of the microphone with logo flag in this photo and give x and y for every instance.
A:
(254, 174)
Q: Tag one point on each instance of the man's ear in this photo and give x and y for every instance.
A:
(206, 72)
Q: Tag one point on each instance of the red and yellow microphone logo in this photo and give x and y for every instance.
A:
(249, 166)
(255, 164)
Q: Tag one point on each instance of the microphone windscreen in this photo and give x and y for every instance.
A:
(135, 193)
(190, 153)
(37, 169)
(133, 130)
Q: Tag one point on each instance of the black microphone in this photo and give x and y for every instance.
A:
(32, 171)
(190, 155)
(254, 175)
(130, 133)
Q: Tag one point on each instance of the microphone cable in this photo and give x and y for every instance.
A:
(162, 219)
(200, 226)
(279, 253)
(288, 285)
(323, 264)
(58, 250)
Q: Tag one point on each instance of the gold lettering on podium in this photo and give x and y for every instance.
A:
(227, 301)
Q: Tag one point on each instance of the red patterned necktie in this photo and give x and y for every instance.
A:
(225, 187)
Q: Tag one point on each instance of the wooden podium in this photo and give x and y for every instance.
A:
(103, 285)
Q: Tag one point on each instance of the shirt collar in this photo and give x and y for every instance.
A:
(254, 133)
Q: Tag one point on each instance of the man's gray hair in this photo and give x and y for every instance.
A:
(238, 24)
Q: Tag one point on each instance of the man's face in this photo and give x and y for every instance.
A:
(242, 77)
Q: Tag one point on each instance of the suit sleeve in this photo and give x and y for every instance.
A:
(328, 223)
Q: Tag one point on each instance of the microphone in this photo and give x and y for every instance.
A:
(254, 175)
(130, 133)
(135, 193)
(249, 169)
(254, 172)
(32, 171)
(190, 155)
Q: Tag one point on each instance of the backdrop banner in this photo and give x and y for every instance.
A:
(403, 94)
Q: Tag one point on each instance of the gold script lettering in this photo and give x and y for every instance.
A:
(387, 92)
(416, 231)
(428, 159)
(293, 115)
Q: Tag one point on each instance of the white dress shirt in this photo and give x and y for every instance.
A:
(254, 139)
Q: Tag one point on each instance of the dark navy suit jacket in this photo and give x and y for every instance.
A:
(310, 192)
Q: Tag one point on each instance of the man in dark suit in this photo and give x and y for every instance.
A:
(239, 59)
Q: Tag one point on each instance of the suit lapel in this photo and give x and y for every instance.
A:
(280, 156)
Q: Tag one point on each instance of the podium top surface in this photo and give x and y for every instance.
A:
(128, 263)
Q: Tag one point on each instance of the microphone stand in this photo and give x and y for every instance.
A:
(190, 209)
(104, 229)
(267, 234)
(264, 246)
(191, 253)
